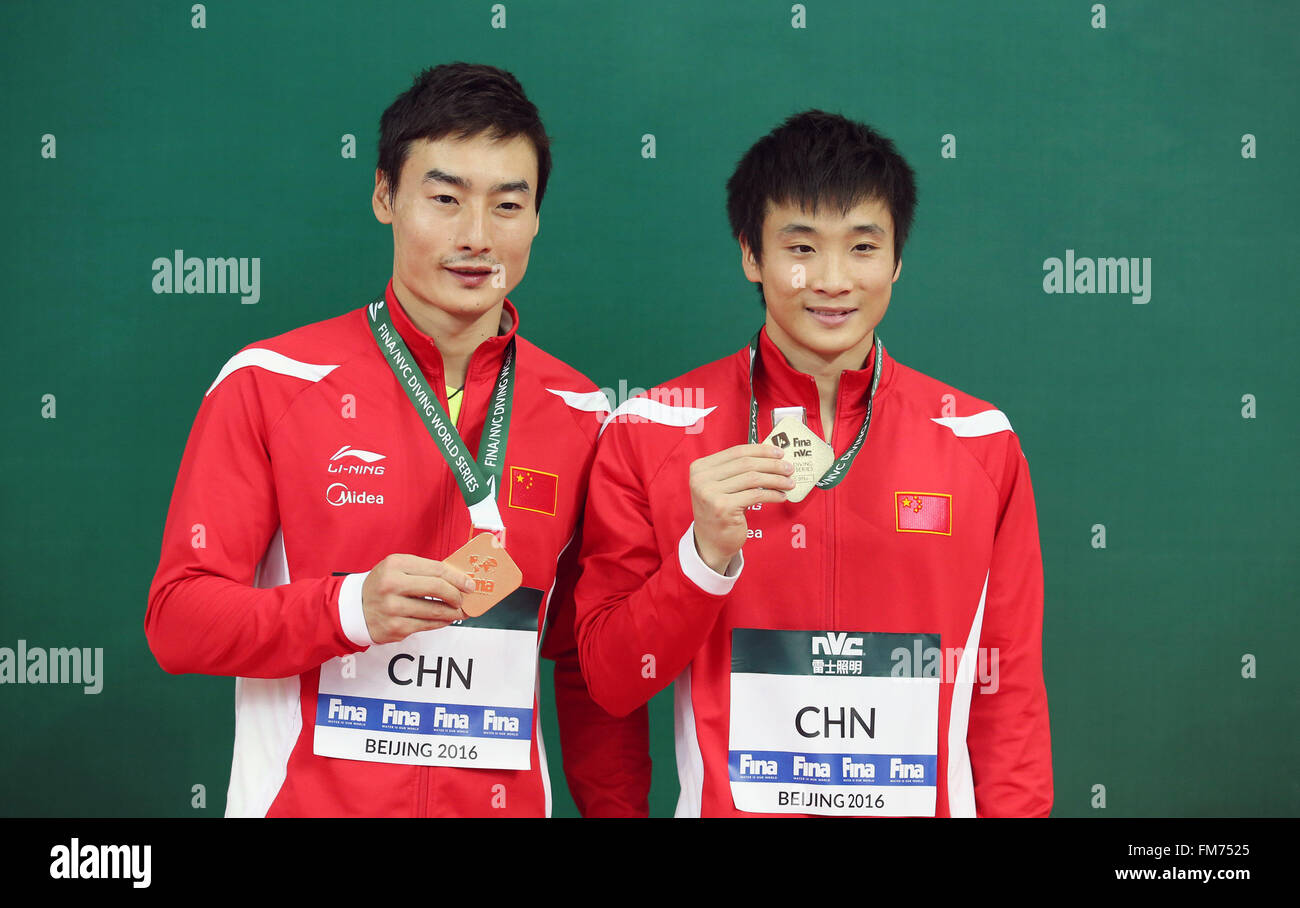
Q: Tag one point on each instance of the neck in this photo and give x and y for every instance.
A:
(825, 368)
(457, 335)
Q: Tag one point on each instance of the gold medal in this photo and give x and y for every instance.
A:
(493, 571)
(811, 456)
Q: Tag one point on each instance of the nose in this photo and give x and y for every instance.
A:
(472, 232)
(832, 280)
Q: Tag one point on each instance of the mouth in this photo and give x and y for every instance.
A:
(471, 275)
(830, 316)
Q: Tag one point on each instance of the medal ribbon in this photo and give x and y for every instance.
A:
(478, 479)
(840, 468)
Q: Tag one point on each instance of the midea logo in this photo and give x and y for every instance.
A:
(338, 495)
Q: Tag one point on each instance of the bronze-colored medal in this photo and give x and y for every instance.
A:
(493, 571)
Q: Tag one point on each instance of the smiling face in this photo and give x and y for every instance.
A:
(464, 220)
(826, 281)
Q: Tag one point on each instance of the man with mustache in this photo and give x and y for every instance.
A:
(373, 524)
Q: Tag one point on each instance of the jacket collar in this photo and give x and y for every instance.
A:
(781, 385)
(484, 364)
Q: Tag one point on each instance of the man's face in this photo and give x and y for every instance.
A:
(463, 208)
(826, 277)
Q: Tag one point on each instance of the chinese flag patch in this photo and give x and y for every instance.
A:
(533, 490)
(923, 512)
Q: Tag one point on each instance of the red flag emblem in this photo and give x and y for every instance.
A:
(923, 512)
(533, 490)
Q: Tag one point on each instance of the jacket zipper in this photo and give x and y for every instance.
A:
(442, 539)
(830, 544)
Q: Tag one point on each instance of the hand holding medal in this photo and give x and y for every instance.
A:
(405, 594)
(723, 485)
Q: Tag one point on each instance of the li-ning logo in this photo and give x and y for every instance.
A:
(368, 467)
(212, 275)
(338, 495)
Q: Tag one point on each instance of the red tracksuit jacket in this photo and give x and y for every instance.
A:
(306, 466)
(908, 679)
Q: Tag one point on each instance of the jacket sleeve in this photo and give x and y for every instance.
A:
(644, 607)
(1009, 737)
(204, 614)
(606, 758)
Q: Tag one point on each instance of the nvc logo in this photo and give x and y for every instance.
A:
(836, 644)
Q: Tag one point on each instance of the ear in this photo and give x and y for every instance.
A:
(379, 201)
(538, 225)
(750, 264)
(898, 269)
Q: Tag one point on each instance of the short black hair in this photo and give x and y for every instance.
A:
(817, 158)
(461, 100)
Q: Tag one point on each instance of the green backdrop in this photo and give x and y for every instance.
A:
(1151, 130)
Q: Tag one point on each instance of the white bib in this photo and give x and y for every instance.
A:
(461, 695)
(832, 723)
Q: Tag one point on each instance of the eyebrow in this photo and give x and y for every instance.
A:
(441, 176)
(805, 230)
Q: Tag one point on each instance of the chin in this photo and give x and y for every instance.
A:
(467, 300)
(833, 344)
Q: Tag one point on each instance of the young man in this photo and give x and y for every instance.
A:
(876, 649)
(333, 473)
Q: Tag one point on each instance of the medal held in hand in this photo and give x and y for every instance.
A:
(493, 571)
(835, 469)
(810, 455)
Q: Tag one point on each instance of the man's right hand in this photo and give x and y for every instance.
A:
(722, 486)
(393, 597)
